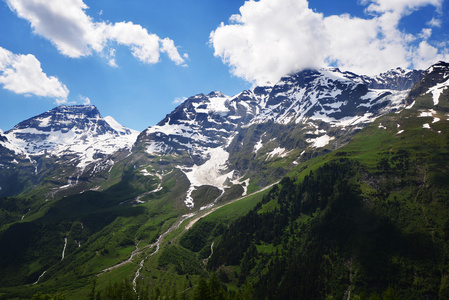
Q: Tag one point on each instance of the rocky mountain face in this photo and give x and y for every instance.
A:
(331, 96)
(73, 141)
(303, 115)
(393, 200)
(435, 81)
(395, 79)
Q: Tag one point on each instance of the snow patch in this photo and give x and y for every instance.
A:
(156, 147)
(119, 127)
(410, 106)
(320, 142)
(281, 152)
(437, 90)
(245, 187)
(344, 122)
(427, 126)
(258, 145)
(144, 172)
(189, 200)
(174, 129)
(218, 105)
(212, 172)
(428, 113)
(316, 132)
(45, 122)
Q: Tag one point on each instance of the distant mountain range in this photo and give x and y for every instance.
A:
(323, 107)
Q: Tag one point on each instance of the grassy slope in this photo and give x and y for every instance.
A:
(107, 233)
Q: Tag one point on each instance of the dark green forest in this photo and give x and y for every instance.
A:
(329, 237)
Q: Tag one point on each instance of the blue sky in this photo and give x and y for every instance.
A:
(136, 60)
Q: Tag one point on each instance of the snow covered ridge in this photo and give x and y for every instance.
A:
(338, 98)
(70, 130)
(330, 95)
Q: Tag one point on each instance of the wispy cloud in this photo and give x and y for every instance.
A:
(434, 22)
(179, 100)
(75, 34)
(400, 7)
(22, 74)
(84, 100)
(271, 38)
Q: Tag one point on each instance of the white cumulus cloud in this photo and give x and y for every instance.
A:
(22, 74)
(272, 38)
(75, 34)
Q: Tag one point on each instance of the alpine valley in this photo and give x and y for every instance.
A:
(325, 185)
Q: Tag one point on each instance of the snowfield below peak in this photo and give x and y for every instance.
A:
(437, 90)
(213, 172)
(320, 142)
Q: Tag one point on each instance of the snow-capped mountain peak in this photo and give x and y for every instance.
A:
(330, 95)
(338, 98)
(440, 66)
(78, 131)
